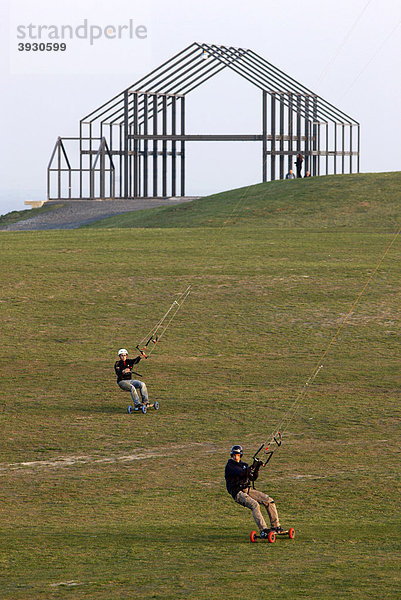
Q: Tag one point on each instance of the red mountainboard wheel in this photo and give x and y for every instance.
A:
(271, 537)
(253, 536)
(291, 533)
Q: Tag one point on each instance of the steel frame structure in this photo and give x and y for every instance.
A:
(134, 144)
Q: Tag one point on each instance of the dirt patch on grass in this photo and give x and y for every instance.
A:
(70, 461)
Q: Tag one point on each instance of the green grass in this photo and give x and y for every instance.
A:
(368, 200)
(96, 503)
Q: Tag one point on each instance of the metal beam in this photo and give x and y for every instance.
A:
(173, 146)
(126, 146)
(183, 147)
(264, 136)
(273, 138)
(155, 138)
(225, 137)
(145, 147)
(136, 148)
(164, 146)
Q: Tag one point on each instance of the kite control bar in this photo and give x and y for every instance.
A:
(269, 453)
(153, 338)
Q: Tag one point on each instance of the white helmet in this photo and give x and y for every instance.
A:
(122, 351)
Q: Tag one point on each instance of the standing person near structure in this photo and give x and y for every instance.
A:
(238, 477)
(123, 368)
(298, 164)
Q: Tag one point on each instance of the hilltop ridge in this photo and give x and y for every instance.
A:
(368, 200)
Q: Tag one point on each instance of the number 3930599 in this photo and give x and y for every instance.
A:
(42, 47)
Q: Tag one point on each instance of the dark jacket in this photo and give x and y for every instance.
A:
(238, 476)
(299, 161)
(128, 363)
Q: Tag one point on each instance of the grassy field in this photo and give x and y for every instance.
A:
(99, 504)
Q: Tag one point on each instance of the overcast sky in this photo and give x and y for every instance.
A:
(348, 52)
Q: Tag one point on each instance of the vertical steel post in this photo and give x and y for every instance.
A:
(130, 161)
(327, 148)
(155, 98)
(335, 148)
(359, 146)
(126, 146)
(290, 132)
(120, 175)
(59, 167)
(307, 126)
(183, 146)
(145, 144)
(136, 149)
(173, 146)
(113, 189)
(48, 183)
(350, 148)
(69, 183)
(91, 184)
(273, 136)
(140, 160)
(164, 146)
(343, 146)
(92, 193)
(111, 180)
(315, 136)
(264, 133)
(281, 136)
(80, 159)
(299, 129)
(102, 172)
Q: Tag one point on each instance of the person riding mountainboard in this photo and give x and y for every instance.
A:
(123, 368)
(238, 477)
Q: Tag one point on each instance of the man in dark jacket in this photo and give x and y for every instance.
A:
(298, 164)
(123, 368)
(238, 481)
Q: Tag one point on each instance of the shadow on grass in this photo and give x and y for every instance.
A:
(103, 408)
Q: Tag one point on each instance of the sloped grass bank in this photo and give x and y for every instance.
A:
(366, 201)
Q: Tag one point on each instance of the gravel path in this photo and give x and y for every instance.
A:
(75, 213)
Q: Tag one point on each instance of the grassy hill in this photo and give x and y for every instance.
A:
(21, 215)
(365, 200)
(100, 504)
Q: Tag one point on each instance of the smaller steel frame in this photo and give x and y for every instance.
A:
(134, 145)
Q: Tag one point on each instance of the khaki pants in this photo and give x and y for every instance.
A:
(133, 386)
(252, 499)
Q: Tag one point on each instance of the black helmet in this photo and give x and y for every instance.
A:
(237, 449)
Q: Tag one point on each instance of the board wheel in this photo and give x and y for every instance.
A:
(129, 409)
(291, 533)
(144, 408)
(156, 405)
(271, 537)
(253, 536)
